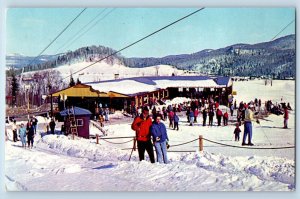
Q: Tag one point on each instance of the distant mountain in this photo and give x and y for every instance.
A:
(18, 61)
(275, 59)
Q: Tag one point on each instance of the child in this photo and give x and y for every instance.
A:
(236, 132)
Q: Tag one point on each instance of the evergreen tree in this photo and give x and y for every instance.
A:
(78, 81)
(72, 82)
(14, 89)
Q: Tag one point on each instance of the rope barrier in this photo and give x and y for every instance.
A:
(103, 138)
(117, 142)
(248, 147)
(183, 143)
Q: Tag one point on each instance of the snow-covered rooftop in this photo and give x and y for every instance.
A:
(129, 86)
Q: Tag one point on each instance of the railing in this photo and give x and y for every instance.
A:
(200, 141)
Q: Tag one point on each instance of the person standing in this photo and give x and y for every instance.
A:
(219, 116)
(171, 118)
(15, 129)
(30, 135)
(236, 132)
(34, 123)
(191, 117)
(22, 133)
(196, 113)
(160, 139)
(248, 126)
(52, 126)
(210, 117)
(231, 109)
(225, 118)
(141, 125)
(204, 114)
(286, 117)
(176, 120)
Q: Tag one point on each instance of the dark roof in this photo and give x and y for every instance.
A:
(77, 111)
(222, 80)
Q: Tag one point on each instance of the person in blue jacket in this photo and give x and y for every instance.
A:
(22, 134)
(160, 139)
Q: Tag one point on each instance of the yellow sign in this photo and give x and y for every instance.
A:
(234, 93)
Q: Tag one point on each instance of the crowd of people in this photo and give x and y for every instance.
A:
(246, 114)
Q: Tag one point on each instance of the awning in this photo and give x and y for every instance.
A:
(80, 90)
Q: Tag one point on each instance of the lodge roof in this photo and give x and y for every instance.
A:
(77, 111)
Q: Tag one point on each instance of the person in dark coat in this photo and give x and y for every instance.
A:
(15, 131)
(30, 135)
(52, 126)
(237, 132)
(34, 123)
(160, 139)
(286, 117)
(210, 117)
(204, 115)
(141, 125)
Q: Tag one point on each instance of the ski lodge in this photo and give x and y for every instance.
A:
(120, 94)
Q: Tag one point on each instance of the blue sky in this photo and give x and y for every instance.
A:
(30, 30)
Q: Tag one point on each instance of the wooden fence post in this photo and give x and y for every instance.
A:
(97, 138)
(200, 143)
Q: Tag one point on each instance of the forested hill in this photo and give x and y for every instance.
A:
(88, 54)
(276, 58)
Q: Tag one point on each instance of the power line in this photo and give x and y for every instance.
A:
(54, 40)
(282, 30)
(92, 26)
(153, 33)
(66, 44)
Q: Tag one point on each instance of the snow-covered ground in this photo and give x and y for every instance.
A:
(57, 163)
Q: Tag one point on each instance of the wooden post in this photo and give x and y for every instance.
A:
(200, 143)
(97, 138)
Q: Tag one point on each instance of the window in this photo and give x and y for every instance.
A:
(79, 122)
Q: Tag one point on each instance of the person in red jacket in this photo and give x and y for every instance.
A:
(286, 117)
(141, 125)
(225, 118)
